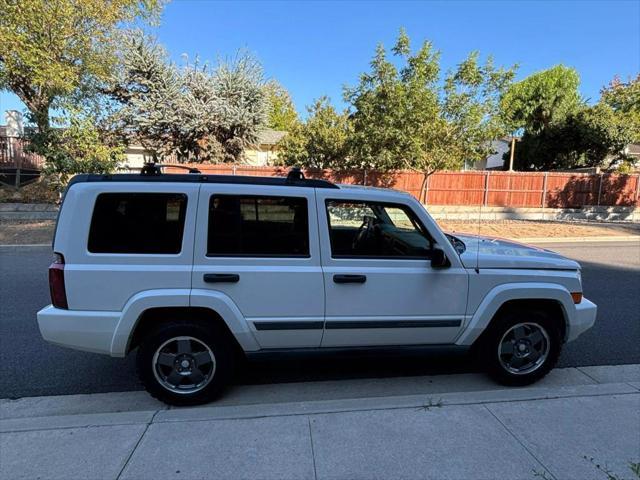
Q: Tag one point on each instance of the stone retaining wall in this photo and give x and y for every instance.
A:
(43, 211)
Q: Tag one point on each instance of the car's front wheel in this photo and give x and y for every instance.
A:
(185, 363)
(521, 346)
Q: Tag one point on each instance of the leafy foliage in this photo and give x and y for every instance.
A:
(406, 118)
(79, 147)
(282, 112)
(560, 130)
(201, 115)
(624, 99)
(321, 141)
(586, 138)
(542, 99)
(51, 48)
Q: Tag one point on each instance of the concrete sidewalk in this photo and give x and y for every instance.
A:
(544, 431)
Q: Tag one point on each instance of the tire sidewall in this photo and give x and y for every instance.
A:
(488, 350)
(215, 340)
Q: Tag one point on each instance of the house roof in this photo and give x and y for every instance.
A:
(269, 136)
(633, 149)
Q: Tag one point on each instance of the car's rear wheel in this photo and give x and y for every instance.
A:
(521, 346)
(184, 363)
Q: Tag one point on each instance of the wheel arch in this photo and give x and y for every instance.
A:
(549, 297)
(153, 317)
(155, 305)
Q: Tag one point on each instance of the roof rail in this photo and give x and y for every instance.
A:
(295, 175)
(153, 173)
(151, 168)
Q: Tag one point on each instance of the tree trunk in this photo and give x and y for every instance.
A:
(423, 187)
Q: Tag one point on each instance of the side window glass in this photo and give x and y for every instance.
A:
(138, 223)
(375, 230)
(258, 226)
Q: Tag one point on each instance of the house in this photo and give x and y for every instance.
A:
(265, 152)
(496, 160)
(633, 150)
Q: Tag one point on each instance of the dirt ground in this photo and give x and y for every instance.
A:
(531, 229)
(41, 232)
(26, 233)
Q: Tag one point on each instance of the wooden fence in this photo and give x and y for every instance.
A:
(490, 188)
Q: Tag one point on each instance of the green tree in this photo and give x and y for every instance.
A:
(282, 112)
(319, 142)
(592, 137)
(560, 131)
(624, 99)
(201, 114)
(405, 117)
(542, 99)
(77, 145)
(51, 48)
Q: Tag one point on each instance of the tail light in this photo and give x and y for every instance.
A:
(56, 282)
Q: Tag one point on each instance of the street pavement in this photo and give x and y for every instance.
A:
(574, 424)
(32, 367)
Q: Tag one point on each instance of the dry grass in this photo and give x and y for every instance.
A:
(531, 229)
(26, 233)
(39, 191)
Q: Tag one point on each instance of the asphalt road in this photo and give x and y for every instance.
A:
(29, 366)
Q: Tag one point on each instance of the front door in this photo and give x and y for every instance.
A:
(261, 249)
(380, 287)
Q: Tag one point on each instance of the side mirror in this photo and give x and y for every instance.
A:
(439, 259)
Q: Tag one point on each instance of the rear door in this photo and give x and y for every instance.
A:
(380, 286)
(260, 247)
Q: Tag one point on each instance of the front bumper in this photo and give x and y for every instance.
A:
(583, 320)
(81, 330)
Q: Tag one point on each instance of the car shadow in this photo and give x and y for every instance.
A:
(319, 365)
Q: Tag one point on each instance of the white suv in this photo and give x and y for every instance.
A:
(192, 270)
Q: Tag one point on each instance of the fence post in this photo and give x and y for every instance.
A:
(637, 190)
(544, 189)
(234, 169)
(17, 155)
(599, 190)
(485, 198)
(364, 177)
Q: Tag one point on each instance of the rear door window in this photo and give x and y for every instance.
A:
(138, 223)
(258, 226)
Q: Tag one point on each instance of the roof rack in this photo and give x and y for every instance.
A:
(153, 173)
(151, 168)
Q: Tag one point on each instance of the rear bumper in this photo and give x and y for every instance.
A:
(584, 319)
(81, 330)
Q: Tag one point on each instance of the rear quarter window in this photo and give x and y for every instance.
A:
(138, 223)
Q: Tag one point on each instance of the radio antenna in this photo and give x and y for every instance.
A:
(479, 226)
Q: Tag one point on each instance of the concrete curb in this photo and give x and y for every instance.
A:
(73, 411)
(425, 402)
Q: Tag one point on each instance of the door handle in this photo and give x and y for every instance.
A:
(221, 277)
(349, 278)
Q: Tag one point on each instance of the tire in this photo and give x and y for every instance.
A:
(506, 361)
(185, 363)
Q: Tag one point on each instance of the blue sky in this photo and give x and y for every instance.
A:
(314, 48)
